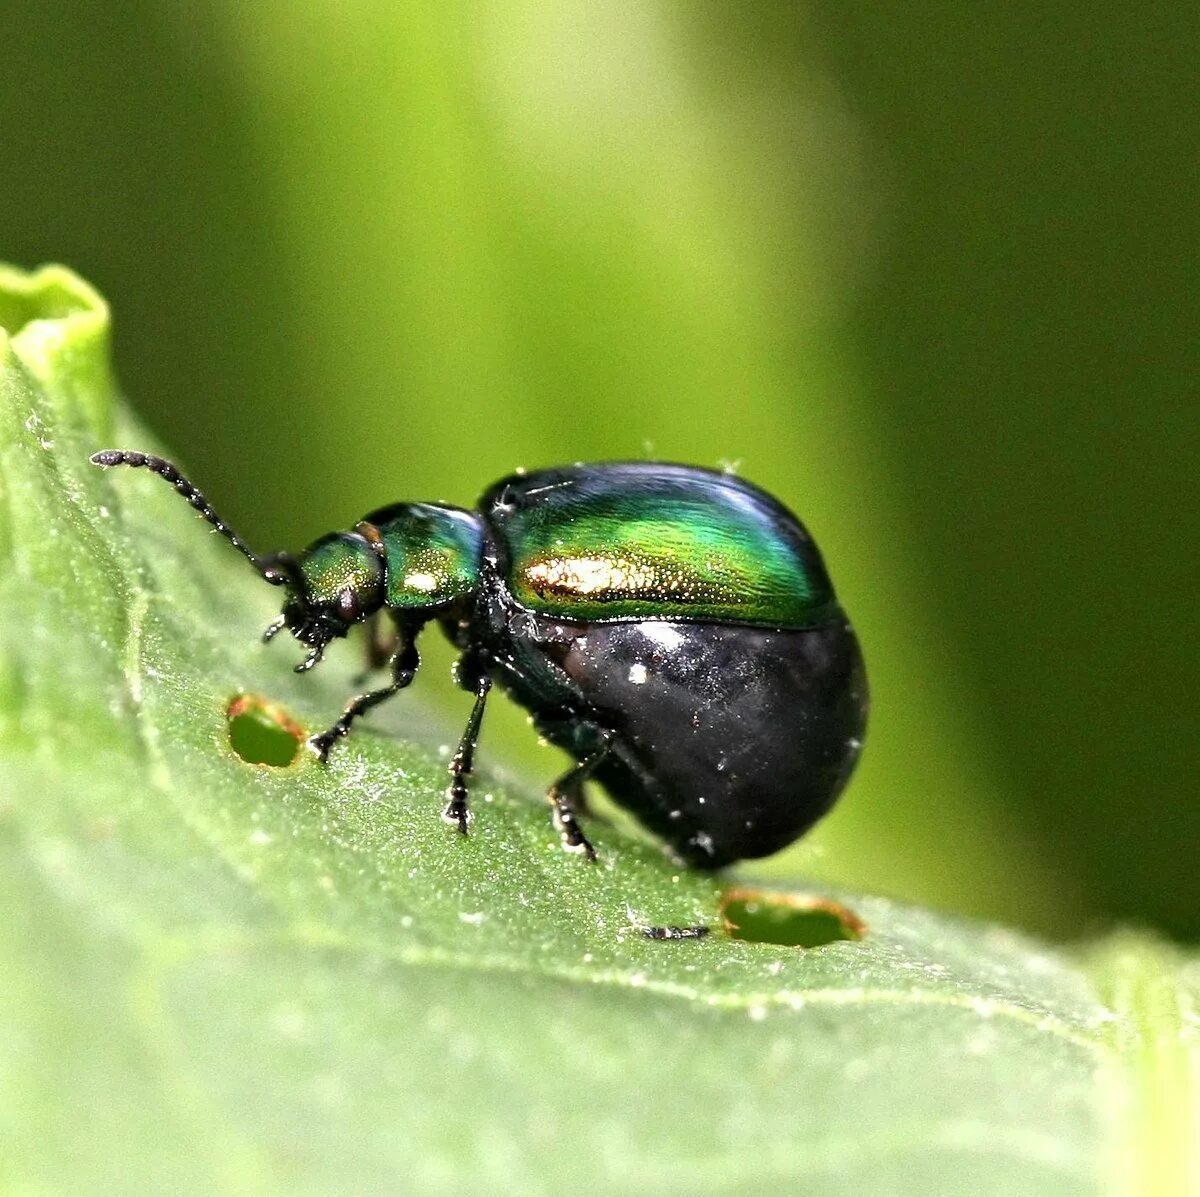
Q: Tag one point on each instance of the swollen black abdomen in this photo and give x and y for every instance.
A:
(681, 622)
(731, 741)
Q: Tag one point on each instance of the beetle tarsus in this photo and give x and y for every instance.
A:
(458, 812)
(567, 824)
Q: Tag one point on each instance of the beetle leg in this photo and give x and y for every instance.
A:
(576, 795)
(457, 809)
(562, 793)
(404, 669)
(382, 644)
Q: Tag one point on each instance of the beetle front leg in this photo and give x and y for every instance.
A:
(458, 810)
(382, 644)
(404, 669)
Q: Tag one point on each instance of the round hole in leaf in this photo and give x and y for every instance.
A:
(262, 732)
(791, 920)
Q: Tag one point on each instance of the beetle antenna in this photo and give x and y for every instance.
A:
(276, 569)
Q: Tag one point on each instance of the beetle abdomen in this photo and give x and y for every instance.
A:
(730, 741)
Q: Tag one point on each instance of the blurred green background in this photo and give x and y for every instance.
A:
(923, 271)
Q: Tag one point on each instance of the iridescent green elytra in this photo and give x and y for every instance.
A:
(676, 546)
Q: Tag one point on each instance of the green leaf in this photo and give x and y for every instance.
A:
(220, 976)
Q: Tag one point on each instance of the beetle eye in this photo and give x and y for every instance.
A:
(347, 605)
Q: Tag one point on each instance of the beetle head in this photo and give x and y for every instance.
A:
(336, 582)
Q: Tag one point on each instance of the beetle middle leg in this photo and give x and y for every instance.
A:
(404, 669)
(472, 675)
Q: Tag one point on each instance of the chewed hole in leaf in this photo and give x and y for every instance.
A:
(261, 732)
(791, 920)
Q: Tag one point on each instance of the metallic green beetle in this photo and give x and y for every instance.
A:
(672, 628)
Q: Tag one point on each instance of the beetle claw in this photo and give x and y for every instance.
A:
(457, 814)
(320, 746)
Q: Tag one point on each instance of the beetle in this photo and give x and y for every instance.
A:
(672, 628)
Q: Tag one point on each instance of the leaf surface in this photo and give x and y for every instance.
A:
(224, 977)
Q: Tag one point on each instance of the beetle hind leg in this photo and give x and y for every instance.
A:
(565, 797)
(567, 823)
